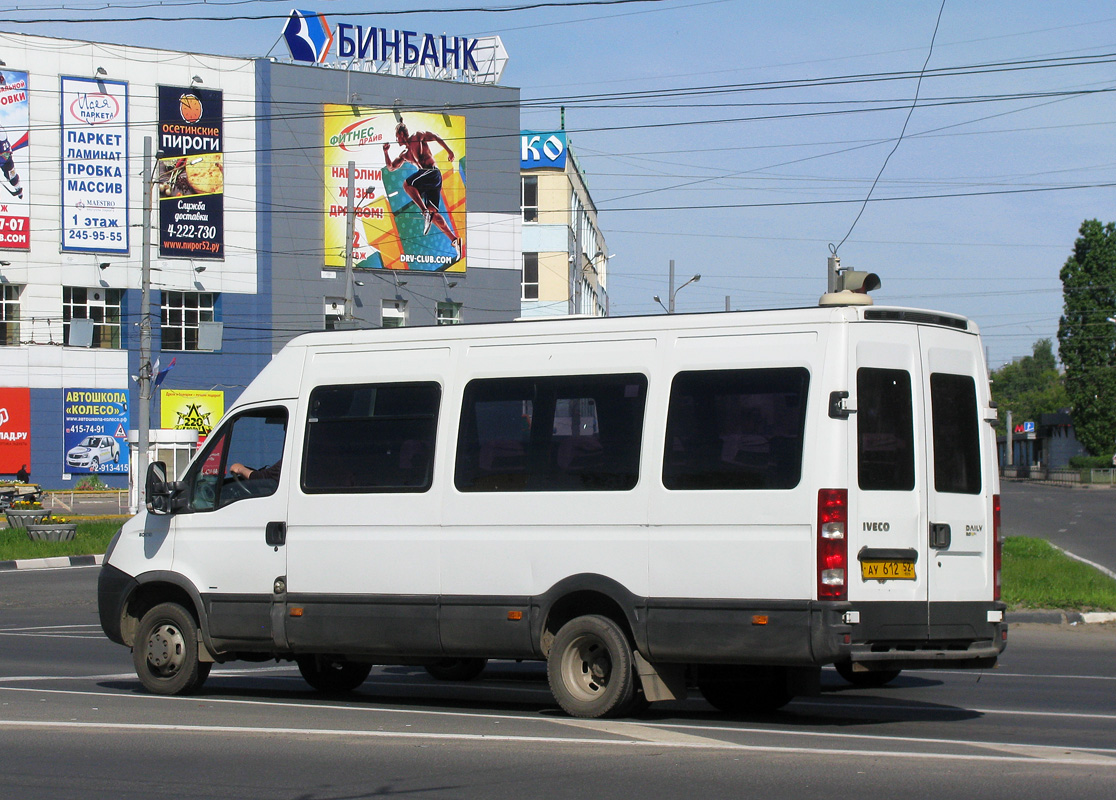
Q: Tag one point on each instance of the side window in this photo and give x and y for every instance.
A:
(956, 433)
(551, 434)
(253, 439)
(371, 438)
(885, 459)
(736, 429)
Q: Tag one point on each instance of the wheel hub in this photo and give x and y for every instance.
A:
(166, 649)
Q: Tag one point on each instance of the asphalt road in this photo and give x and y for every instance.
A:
(75, 723)
(1082, 521)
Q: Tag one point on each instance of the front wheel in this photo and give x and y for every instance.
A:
(745, 690)
(457, 669)
(332, 675)
(166, 651)
(590, 668)
(873, 679)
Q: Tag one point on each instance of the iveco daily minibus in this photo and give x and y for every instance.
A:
(724, 502)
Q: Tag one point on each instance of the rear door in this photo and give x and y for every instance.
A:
(961, 479)
(887, 474)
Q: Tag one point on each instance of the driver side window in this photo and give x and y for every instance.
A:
(252, 440)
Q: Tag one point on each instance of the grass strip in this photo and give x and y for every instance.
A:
(92, 538)
(1039, 575)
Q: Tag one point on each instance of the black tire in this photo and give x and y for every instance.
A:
(457, 669)
(166, 651)
(745, 690)
(590, 668)
(866, 680)
(332, 675)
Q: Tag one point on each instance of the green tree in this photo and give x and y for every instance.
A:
(1086, 338)
(1029, 386)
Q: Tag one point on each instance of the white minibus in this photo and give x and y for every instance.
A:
(722, 502)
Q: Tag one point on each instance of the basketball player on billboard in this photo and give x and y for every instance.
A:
(424, 187)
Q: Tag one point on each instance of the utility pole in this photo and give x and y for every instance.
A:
(144, 377)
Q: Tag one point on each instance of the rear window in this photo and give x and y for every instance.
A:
(736, 429)
(884, 430)
(371, 438)
(956, 433)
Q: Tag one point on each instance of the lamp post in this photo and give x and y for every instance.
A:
(669, 308)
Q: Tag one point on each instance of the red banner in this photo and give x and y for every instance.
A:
(15, 430)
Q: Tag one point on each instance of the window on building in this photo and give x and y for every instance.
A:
(530, 278)
(103, 306)
(530, 201)
(551, 434)
(956, 433)
(182, 311)
(884, 430)
(371, 438)
(9, 315)
(736, 429)
(449, 313)
(393, 313)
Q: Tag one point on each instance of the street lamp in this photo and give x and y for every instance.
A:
(669, 308)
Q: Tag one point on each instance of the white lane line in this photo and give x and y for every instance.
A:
(998, 674)
(614, 726)
(51, 628)
(1067, 756)
(86, 636)
(951, 710)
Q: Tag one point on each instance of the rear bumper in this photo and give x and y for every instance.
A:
(962, 635)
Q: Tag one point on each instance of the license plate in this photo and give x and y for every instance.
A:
(887, 570)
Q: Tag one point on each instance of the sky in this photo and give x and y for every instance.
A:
(953, 148)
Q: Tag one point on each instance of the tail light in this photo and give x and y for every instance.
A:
(833, 544)
(997, 549)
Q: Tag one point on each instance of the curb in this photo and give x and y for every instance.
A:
(1056, 617)
(56, 562)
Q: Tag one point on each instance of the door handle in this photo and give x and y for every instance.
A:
(276, 533)
(939, 535)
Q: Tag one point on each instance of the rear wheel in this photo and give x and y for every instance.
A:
(872, 679)
(332, 675)
(590, 668)
(745, 690)
(457, 669)
(166, 651)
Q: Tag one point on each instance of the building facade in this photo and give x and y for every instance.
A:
(254, 234)
(565, 257)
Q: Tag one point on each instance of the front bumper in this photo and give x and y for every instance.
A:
(113, 590)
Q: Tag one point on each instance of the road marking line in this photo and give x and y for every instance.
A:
(639, 726)
(1073, 757)
(51, 628)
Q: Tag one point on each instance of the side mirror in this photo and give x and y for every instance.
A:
(156, 489)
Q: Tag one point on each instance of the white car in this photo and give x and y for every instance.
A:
(93, 451)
